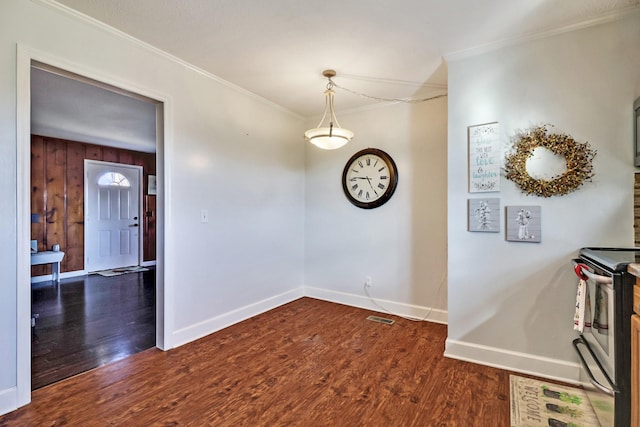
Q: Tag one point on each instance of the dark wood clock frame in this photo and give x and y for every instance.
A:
(393, 179)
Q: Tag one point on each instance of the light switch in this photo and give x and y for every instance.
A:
(204, 216)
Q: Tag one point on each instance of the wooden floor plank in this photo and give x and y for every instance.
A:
(307, 363)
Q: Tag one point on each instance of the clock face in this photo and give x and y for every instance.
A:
(369, 178)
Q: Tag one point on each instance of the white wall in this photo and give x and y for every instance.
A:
(402, 244)
(229, 152)
(511, 304)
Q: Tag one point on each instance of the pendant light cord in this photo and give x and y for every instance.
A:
(364, 95)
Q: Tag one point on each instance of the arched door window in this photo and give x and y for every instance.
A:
(113, 179)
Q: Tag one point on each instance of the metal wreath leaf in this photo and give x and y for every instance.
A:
(579, 157)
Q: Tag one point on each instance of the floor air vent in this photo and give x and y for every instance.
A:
(380, 320)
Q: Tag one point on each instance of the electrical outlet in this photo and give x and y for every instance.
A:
(367, 281)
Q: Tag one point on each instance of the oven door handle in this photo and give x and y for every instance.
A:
(580, 267)
(612, 390)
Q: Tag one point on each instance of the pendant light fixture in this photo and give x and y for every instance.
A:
(330, 136)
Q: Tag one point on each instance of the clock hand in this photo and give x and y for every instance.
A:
(369, 179)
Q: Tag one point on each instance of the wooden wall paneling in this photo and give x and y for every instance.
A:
(74, 249)
(55, 202)
(126, 157)
(150, 213)
(110, 154)
(92, 152)
(148, 163)
(57, 194)
(150, 228)
(138, 159)
(38, 188)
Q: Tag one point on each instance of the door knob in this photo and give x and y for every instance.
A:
(133, 225)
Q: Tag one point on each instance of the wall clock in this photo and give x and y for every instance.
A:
(369, 178)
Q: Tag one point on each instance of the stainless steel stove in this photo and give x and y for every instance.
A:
(604, 347)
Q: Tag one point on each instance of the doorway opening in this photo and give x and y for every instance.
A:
(137, 295)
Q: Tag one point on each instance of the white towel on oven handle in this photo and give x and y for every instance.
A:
(582, 316)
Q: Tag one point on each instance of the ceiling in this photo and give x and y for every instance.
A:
(77, 109)
(277, 49)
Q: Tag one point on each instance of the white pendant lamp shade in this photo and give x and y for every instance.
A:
(331, 136)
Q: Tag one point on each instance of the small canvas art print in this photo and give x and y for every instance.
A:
(524, 224)
(484, 215)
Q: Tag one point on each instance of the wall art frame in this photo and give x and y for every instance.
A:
(485, 155)
(483, 215)
(524, 223)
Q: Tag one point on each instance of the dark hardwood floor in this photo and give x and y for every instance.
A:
(90, 321)
(306, 363)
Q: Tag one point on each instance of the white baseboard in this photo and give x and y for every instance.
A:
(209, 326)
(8, 400)
(65, 275)
(380, 305)
(513, 361)
(68, 274)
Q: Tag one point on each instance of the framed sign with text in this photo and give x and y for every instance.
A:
(485, 151)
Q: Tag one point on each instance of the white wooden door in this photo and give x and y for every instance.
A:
(112, 215)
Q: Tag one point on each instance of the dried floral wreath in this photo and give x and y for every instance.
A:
(579, 157)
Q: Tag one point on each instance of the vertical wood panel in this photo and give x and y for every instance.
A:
(55, 167)
(38, 188)
(110, 154)
(148, 163)
(74, 251)
(57, 194)
(150, 228)
(126, 157)
(92, 152)
(150, 243)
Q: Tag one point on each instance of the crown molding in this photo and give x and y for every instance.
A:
(499, 44)
(65, 10)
